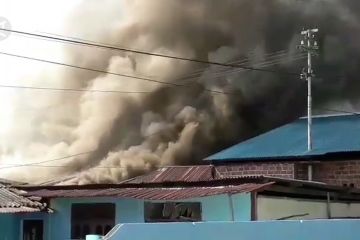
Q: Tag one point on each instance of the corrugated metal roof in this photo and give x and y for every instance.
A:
(11, 202)
(58, 180)
(19, 210)
(331, 134)
(176, 174)
(150, 193)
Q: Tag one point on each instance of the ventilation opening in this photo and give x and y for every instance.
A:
(172, 212)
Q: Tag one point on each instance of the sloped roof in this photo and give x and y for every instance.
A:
(167, 193)
(190, 190)
(333, 134)
(12, 202)
(176, 174)
(58, 180)
(167, 183)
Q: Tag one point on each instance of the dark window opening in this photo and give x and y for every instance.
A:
(107, 229)
(173, 212)
(86, 230)
(94, 218)
(76, 231)
(99, 230)
(33, 230)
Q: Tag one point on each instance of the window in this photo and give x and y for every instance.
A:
(107, 229)
(76, 231)
(97, 218)
(99, 230)
(86, 230)
(172, 212)
(33, 230)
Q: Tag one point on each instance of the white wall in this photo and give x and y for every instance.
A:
(271, 208)
(339, 210)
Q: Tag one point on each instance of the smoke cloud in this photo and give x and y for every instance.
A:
(130, 134)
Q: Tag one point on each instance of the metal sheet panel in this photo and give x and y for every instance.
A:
(176, 174)
(18, 210)
(149, 193)
(331, 134)
(12, 201)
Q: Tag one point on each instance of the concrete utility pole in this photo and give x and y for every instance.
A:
(309, 45)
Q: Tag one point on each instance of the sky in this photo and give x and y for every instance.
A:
(39, 16)
(119, 129)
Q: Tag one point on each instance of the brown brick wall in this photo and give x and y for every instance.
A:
(346, 172)
(274, 169)
(342, 172)
(301, 171)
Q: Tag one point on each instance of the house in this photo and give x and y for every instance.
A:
(18, 213)
(264, 178)
(179, 194)
(283, 152)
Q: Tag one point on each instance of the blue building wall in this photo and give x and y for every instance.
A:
(242, 207)
(32, 216)
(57, 225)
(9, 227)
(214, 208)
(275, 230)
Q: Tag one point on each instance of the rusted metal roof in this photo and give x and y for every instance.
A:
(150, 193)
(177, 174)
(11, 201)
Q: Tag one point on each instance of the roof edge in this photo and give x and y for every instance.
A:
(330, 156)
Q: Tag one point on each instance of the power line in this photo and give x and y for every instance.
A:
(218, 74)
(238, 63)
(37, 164)
(64, 166)
(115, 48)
(222, 70)
(46, 161)
(72, 89)
(98, 71)
(89, 69)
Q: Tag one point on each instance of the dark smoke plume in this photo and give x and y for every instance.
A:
(136, 133)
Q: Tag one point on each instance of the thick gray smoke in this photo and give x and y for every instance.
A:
(135, 133)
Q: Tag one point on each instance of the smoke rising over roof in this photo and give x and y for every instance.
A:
(135, 133)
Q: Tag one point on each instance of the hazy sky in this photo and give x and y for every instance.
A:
(38, 125)
(33, 16)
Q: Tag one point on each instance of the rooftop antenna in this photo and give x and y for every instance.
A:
(309, 45)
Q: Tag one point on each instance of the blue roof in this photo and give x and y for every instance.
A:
(331, 134)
